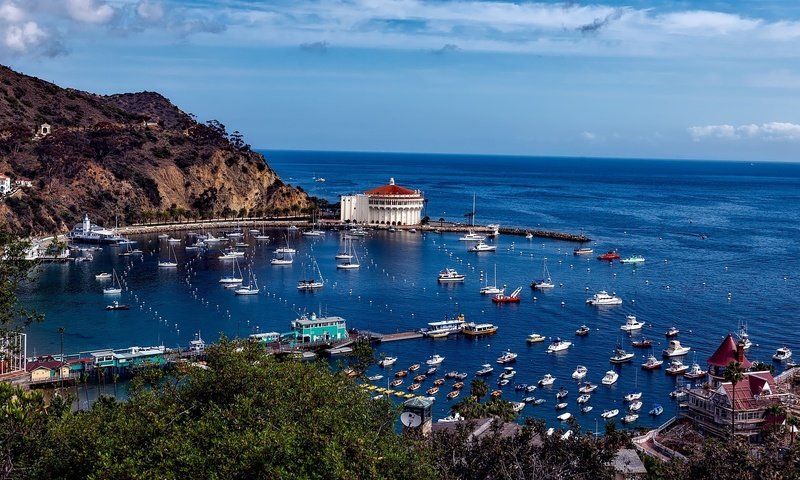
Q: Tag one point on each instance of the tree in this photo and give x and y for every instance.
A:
(14, 270)
(734, 373)
(478, 388)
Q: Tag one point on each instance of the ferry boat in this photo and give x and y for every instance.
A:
(652, 363)
(603, 298)
(782, 354)
(631, 324)
(676, 368)
(633, 259)
(582, 331)
(507, 357)
(444, 327)
(87, 232)
(580, 372)
(621, 356)
(482, 247)
(558, 345)
(536, 338)
(609, 256)
(610, 378)
(503, 298)
(583, 251)
(486, 369)
(477, 329)
(675, 349)
(450, 275)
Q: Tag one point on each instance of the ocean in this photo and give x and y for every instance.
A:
(720, 241)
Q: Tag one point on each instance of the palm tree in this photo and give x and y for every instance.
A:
(793, 422)
(734, 373)
(478, 388)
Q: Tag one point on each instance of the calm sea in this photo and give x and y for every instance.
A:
(720, 239)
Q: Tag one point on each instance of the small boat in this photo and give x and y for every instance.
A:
(433, 390)
(580, 372)
(482, 247)
(562, 393)
(438, 382)
(478, 329)
(496, 393)
(535, 338)
(103, 276)
(587, 387)
(115, 305)
(414, 367)
(633, 259)
(582, 331)
(586, 409)
(603, 298)
(458, 385)
(529, 399)
(630, 418)
(450, 275)
(675, 349)
(528, 236)
(782, 354)
(609, 256)
(609, 413)
(652, 363)
(401, 374)
(610, 378)
(583, 251)
(643, 343)
(508, 373)
(503, 298)
(672, 332)
(633, 396)
(621, 356)
(251, 288)
(547, 380)
(530, 388)
(396, 383)
(387, 361)
(507, 357)
(413, 386)
(431, 371)
(435, 360)
(558, 345)
(375, 378)
(561, 406)
(503, 382)
(520, 387)
(486, 369)
(564, 417)
(695, 372)
(453, 394)
(420, 378)
(584, 398)
(676, 368)
(631, 324)
(518, 406)
(744, 338)
(656, 410)
(635, 406)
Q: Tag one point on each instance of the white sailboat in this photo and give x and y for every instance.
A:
(282, 259)
(472, 236)
(233, 278)
(492, 289)
(171, 261)
(116, 286)
(545, 281)
(346, 247)
(312, 283)
(350, 263)
(251, 288)
(287, 248)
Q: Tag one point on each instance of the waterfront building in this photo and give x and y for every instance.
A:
(386, 205)
(319, 329)
(129, 357)
(91, 233)
(266, 337)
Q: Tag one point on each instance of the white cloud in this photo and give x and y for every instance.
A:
(11, 13)
(589, 136)
(152, 11)
(87, 11)
(21, 38)
(772, 131)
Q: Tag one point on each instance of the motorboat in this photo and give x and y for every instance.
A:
(582, 331)
(695, 371)
(633, 259)
(507, 357)
(503, 298)
(558, 345)
(621, 356)
(545, 282)
(587, 387)
(518, 406)
(420, 378)
(439, 382)
(413, 386)
(652, 363)
(508, 373)
(744, 338)
(375, 378)
(643, 343)
(530, 388)
(496, 393)
(672, 332)
(472, 237)
(414, 367)
(586, 409)
(782, 354)
(478, 329)
(387, 361)
(528, 236)
(482, 247)
(635, 406)
(430, 371)
(530, 399)
(676, 368)
(609, 256)
(633, 396)
(115, 305)
(610, 378)
(656, 410)
(432, 391)
(631, 324)
(580, 372)
(603, 298)
(503, 382)
(486, 369)
(547, 380)
(453, 394)
(102, 276)
(536, 338)
(561, 406)
(520, 387)
(630, 418)
(435, 360)
(675, 349)
(609, 413)
(562, 393)
(585, 397)
(449, 275)
(583, 251)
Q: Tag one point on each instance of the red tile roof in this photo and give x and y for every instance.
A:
(726, 353)
(390, 190)
(751, 387)
(52, 365)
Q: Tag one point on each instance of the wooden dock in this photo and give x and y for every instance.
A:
(396, 337)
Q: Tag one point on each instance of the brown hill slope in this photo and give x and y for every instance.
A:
(135, 156)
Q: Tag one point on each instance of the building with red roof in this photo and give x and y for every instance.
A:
(727, 352)
(388, 204)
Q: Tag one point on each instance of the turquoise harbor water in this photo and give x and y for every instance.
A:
(748, 213)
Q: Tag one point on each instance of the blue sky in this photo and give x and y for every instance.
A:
(659, 79)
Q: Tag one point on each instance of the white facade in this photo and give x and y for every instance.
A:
(13, 351)
(387, 205)
(5, 184)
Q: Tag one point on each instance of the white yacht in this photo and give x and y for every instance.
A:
(387, 361)
(486, 369)
(603, 298)
(583, 398)
(507, 357)
(631, 324)
(580, 372)
(450, 275)
(508, 373)
(547, 380)
(621, 356)
(782, 354)
(435, 360)
(482, 247)
(558, 345)
(610, 413)
(610, 378)
(675, 349)
(472, 237)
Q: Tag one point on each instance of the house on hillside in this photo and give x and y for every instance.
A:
(5, 185)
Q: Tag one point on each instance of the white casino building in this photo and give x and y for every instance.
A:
(387, 205)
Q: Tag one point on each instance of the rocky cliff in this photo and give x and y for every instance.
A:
(136, 157)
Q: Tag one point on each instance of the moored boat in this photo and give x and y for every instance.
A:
(609, 256)
(782, 354)
(643, 343)
(512, 298)
(610, 413)
(603, 298)
(675, 349)
(387, 361)
(482, 247)
(486, 369)
(656, 410)
(507, 357)
(435, 359)
(621, 356)
(587, 387)
(580, 372)
(610, 378)
(695, 372)
(631, 324)
(582, 331)
(558, 345)
(478, 329)
(583, 251)
(633, 259)
(450, 275)
(672, 332)
(547, 380)
(535, 338)
(676, 368)
(652, 363)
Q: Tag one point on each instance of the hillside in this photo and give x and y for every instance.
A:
(135, 156)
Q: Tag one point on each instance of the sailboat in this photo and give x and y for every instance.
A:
(116, 286)
(282, 259)
(171, 261)
(287, 248)
(492, 289)
(346, 246)
(315, 231)
(233, 279)
(129, 251)
(260, 235)
(349, 263)
(312, 283)
(545, 281)
(251, 288)
(472, 236)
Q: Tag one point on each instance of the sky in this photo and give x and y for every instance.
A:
(659, 79)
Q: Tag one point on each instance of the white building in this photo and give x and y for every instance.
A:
(387, 205)
(13, 351)
(5, 184)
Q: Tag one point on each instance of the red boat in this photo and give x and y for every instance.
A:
(610, 256)
(502, 298)
(643, 343)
